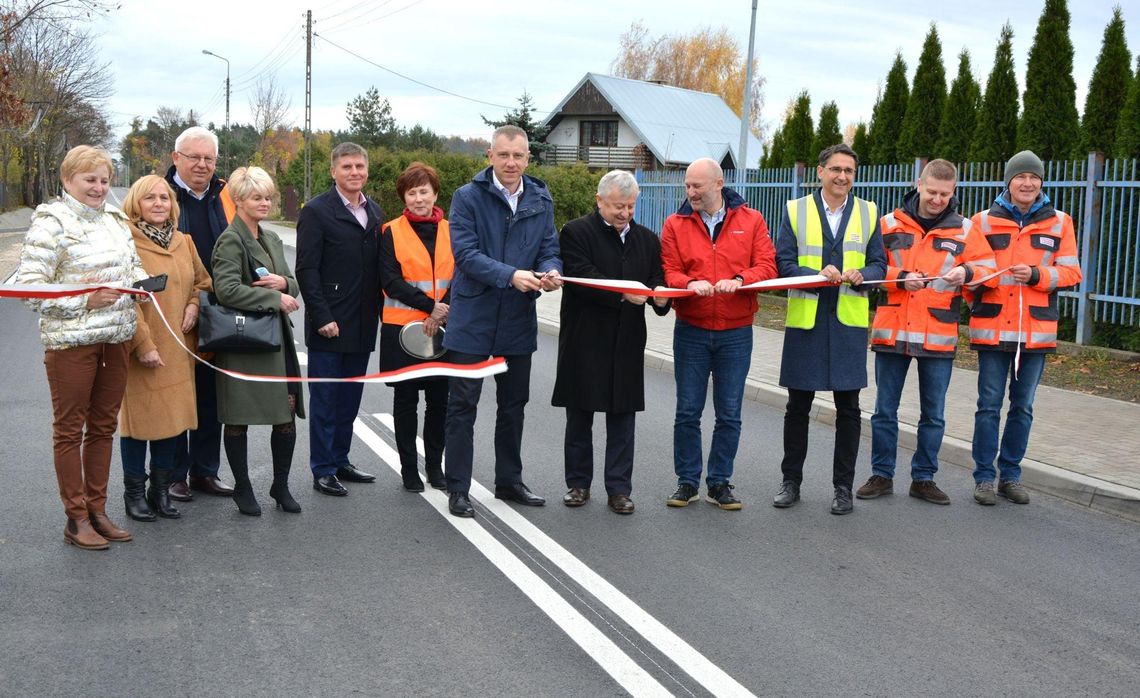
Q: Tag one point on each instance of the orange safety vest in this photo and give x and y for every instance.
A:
(228, 206)
(416, 264)
(1047, 243)
(925, 322)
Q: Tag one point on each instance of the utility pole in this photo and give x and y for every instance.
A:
(308, 104)
(745, 117)
(226, 164)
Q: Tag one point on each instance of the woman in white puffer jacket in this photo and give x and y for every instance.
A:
(79, 239)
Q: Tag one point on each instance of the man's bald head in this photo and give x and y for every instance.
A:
(704, 179)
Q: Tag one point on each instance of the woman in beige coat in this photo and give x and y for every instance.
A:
(159, 405)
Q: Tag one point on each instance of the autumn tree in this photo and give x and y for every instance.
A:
(523, 117)
(370, 121)
(995, 136)
(1128, 130)
(1049, 124)
(923, 119)
(1108, 89)
(887, 118)
(707, 60)
(827, 132)
(960, 114)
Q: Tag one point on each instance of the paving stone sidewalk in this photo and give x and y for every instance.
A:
(1083, 447)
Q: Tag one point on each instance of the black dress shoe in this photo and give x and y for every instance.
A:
(210, 485)
(520, 494)
(788, 495)
(349, 473)
(621, 504)
(180, 492)
(576, 496)
(328, 484)
(842, 502)
(459, 505)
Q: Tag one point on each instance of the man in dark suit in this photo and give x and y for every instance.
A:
(338, 271)
(601, 343)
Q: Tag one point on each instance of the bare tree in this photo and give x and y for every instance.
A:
(270, 106)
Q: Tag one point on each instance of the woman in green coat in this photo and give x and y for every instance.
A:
(250, 273)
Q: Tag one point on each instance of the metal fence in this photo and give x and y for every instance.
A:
(1102, 196)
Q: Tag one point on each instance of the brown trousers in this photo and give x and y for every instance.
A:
(87, 385)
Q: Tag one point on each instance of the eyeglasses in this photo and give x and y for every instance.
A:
(841, 171)
(195, 159)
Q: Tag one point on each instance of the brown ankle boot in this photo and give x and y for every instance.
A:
(107, 528)
(79, 533)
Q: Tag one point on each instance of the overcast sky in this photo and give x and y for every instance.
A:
(491, 52)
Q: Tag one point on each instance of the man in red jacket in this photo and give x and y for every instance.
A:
(713, 245)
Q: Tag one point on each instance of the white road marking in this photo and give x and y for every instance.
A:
(302, 358)
(681, 653)
(601, 649)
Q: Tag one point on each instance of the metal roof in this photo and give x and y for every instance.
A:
(677, 125)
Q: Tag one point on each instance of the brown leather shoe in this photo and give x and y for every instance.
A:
(576, 497)
(180, 492)
(107, 528)
(79, 533)
(876, 486)
(927, 490)
(210, 485)
(621, 504)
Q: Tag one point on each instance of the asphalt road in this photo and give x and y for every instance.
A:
(382, 593)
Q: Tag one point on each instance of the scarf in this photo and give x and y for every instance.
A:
(160, 236)
(435, 217)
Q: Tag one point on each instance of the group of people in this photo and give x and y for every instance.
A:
(472, 278)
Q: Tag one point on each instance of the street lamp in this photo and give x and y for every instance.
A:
(227, 152)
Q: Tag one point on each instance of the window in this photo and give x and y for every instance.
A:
(599, 133)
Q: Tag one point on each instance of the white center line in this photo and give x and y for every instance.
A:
(681, 653)
(601, 649)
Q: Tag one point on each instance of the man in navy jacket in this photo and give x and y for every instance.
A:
(338, 269)
(506, 252)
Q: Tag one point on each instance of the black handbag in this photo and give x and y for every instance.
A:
(225, 329)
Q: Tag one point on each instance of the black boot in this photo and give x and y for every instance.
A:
(134, 495)
(158, 494)
(435, 475)
(281, 444)
(236, 454)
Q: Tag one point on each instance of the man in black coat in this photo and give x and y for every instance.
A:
(338, 271)
(601, 339)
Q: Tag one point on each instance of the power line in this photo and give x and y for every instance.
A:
(352, 19)
(418, 82)
(352, 8)
(281, 45)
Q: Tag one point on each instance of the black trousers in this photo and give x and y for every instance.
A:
(579, 449)
(405, 417)
(847, 425)
(512, 392)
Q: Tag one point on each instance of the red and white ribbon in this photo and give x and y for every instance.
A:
(639, 289)
(434, 369)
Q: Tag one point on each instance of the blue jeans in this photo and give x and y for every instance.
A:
(994, 368)
(333, 408)
(933, 380)
(697, 353)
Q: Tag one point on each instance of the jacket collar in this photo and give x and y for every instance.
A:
(949, 218)
(1042, 208)
(215, 186)
(532, 188)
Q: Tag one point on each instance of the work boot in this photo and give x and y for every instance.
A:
(927, 490)
(876, 486)
(158, 494)
(81, 534)
(984, 494)
(134, 497)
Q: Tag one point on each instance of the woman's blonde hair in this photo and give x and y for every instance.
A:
(142, 187)
(84, 158)
(246, 180)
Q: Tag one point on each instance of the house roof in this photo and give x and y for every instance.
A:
(677, 125)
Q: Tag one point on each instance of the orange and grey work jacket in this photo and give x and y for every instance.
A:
(925, 322)
(1013, 313)
(416, 263)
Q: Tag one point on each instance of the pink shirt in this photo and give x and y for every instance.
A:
(357, 209)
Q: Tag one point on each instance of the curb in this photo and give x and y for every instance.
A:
(1078, 488)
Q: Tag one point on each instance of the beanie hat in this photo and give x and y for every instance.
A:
(1025, 161)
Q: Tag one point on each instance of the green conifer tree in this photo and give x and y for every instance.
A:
(1049, 124)
(799, 133)
(1108, 89)
(923, 119)
(995, 136)
(1128, 130)
(860, 143)
(886, 126)
(827, 133)
(960, 115)
(774, 157)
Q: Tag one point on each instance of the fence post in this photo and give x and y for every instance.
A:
(1090, 246)
(798, 173)
(919, 163)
